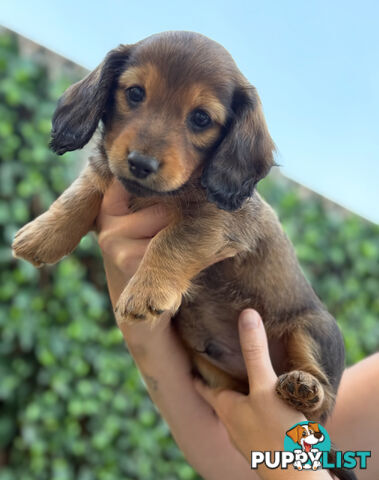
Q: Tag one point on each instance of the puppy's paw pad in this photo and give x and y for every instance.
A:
(301, 390)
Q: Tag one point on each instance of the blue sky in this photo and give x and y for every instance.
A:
(314, 63)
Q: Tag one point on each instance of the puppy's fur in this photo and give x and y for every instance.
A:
(207, 177)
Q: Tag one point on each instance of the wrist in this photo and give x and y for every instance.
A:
(116, 280)
(268, 474)
(148, 342)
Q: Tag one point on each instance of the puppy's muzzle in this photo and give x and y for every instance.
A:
(141, 166)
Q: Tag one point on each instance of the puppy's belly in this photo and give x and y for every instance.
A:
(211, 331)
(208, 326)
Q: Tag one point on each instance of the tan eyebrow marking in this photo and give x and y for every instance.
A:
(145, 75)
(202, 97)
(206, 138)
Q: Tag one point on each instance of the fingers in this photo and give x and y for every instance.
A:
(147, 222)
(127, 254)
(255, 351)
(143, 224)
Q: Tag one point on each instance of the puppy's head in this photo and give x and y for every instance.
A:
(173, 107)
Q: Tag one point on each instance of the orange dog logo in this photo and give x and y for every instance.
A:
(307, 436)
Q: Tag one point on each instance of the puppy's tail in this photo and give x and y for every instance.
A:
(340, 473)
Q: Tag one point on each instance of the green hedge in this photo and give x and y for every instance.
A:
(72, 403)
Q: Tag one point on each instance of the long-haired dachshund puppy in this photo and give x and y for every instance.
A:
(181, 125)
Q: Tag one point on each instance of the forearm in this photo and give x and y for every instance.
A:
(171, 389)
(356, 411)
(190, 422)
(192, 425)
(167, 372)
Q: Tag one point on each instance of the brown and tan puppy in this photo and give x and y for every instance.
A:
(181, 125)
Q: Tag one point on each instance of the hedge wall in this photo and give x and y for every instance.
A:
(72, 403)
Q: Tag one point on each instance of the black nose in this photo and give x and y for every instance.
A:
(141, 165)
(318, 434)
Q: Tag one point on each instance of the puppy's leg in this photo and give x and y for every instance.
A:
(58, 231)
(315, 370)
(174, 256)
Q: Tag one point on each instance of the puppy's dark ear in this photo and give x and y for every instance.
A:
(244, 156)
(82, 105)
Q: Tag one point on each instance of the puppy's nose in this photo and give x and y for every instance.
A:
(318, 434)
(141, 165)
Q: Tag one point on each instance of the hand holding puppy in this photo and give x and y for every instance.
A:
(257, 421)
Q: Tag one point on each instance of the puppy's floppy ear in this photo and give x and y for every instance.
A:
(82, 105)
(244, 156)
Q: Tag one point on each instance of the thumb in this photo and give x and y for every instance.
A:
(255, 351)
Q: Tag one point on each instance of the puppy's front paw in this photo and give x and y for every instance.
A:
(44, 240)
(301, 390)
(146, 299)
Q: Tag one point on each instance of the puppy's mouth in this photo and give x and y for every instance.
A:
(139, 190)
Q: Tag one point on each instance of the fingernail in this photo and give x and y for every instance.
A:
(249, 319)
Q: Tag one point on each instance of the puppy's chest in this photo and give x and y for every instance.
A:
(207, 320)
(226, 281)
(217, 296)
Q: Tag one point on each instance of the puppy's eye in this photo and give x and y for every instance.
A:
(135, 94)
(199, 120)
(304, 433)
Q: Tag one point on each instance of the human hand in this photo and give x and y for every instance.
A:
(124, 236)
(159, 354)
(257, 421)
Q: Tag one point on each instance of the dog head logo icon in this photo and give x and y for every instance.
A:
(307, 435)
(308, 441)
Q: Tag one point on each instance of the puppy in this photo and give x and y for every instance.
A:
(181, 125)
